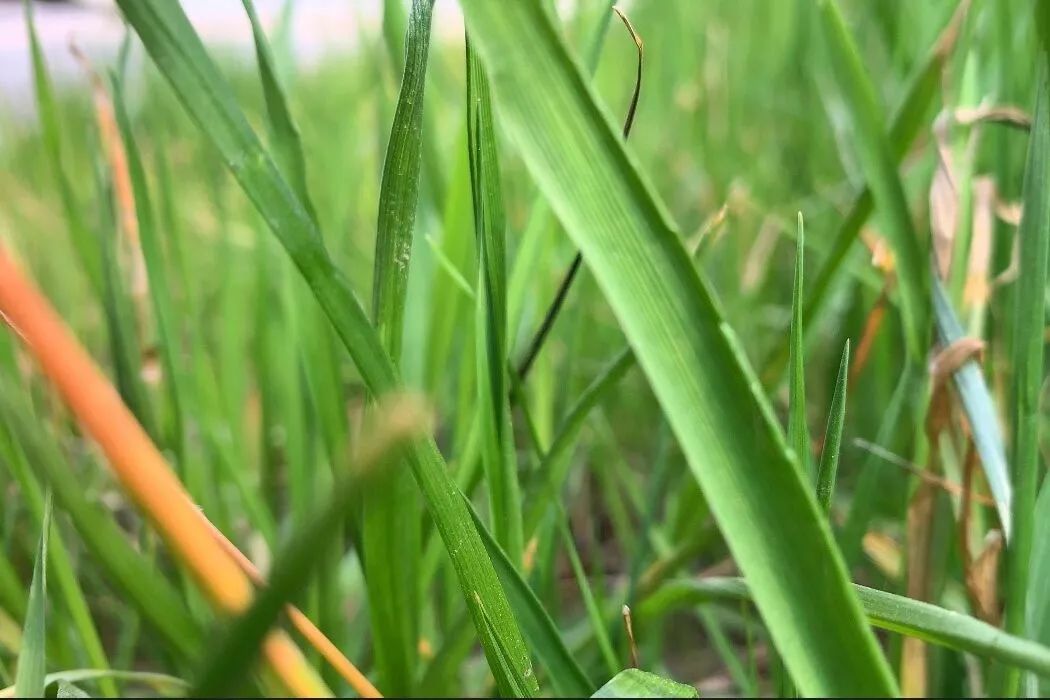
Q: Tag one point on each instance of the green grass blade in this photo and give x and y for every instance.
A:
(594, 613)
(980, 409)
(32, 660)
(798, 433)
(634, 683)
(1029, 340)
(872, 475)
(80, 235)
(504, 664)
(287, 144)
(829, 457)
(880, 172)
(400, 188)
(391, 543)
(745, 681)
(139, 579)
(177, 51)
(565, 674)
(770, 519)
(888, 611)
(1038, 603)
(501, 469)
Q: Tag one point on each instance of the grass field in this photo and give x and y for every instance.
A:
(518, 362)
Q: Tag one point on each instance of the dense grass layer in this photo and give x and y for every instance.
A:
(264, 261)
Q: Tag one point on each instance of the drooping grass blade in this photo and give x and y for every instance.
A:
(770, 519)
(888, 611)
(284, 132)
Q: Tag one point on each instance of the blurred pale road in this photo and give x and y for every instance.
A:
(320, 28)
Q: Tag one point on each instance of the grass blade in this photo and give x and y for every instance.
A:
(798, 433)
(829, 457)
(501, 468)
(287, 143)
(574, 267)
(29, 675)
(391, 543)
(770, 519)
(980, 409)
(539, 629)
(399, 193)
(1029, 334)
(888, 611)
(594, 614)
(880, 172)
(633, 683)
(177, 50)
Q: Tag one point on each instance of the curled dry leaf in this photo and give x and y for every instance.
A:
(982, 579)
(954, 356)
(999, 114)
(944, 200)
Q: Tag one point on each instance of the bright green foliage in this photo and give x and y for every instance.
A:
(279, 190)
(780, 541)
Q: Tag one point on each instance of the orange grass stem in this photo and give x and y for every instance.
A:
(138, 464)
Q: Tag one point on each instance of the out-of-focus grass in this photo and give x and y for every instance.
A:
(247, 389)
